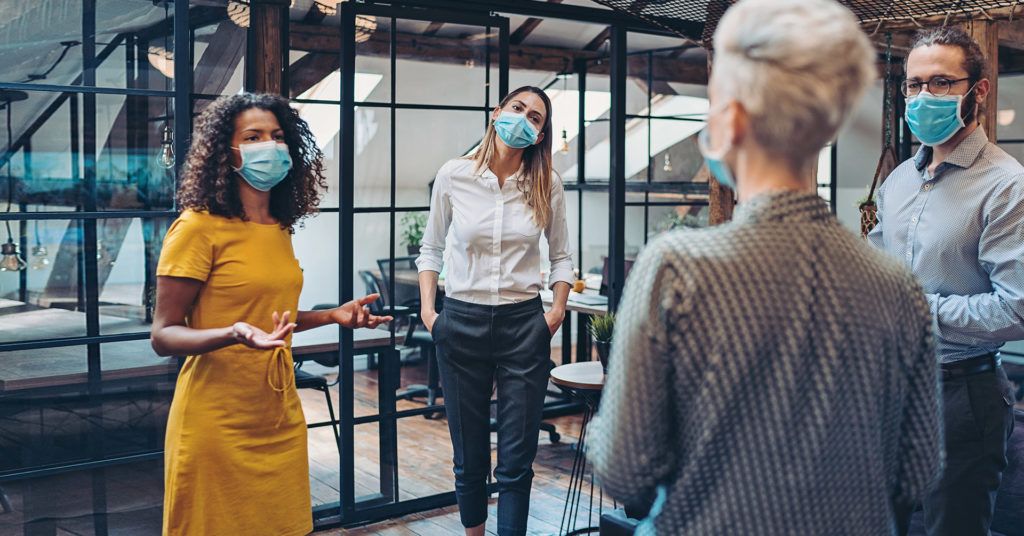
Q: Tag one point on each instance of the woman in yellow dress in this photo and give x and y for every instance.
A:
(235, 451)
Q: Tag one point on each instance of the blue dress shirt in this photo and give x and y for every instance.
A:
(961, 232)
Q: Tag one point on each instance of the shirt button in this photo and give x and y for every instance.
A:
(927, 186)
(908, 254)
(913, 220)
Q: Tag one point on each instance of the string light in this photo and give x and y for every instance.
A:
(11, 261)
(165, 156)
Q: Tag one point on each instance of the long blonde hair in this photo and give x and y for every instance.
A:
(536, 183)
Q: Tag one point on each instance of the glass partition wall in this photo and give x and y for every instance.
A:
(88, 98)
(391, 91)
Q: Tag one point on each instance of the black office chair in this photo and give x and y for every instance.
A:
(408, 298)
(305, 380)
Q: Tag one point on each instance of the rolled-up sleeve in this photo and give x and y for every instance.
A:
(557, 234)
(432, 246)
(995, 316)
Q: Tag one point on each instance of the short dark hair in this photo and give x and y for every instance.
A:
(974, 58)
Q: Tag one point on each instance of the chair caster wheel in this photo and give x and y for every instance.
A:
(555, 437)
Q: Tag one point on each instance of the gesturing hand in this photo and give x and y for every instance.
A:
(254, 337)
(354, 314)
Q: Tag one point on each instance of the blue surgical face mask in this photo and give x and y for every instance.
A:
(934, 119)
(715, 160)
(264, 164)
(515, 130)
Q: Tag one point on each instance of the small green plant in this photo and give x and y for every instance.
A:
(863, 200)
(673, 220)
(601, 327)
(413, 223)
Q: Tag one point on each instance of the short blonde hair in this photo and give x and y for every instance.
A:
(798, 67)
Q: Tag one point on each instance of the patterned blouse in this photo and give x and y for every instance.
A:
(772, 375)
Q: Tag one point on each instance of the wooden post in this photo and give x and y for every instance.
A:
(721, 200)
(266, 52)
(986, 33)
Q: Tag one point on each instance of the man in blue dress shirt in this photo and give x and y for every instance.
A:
(954, 213)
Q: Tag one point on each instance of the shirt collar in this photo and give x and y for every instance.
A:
(963, 156)
(784, 206)
(488, 174)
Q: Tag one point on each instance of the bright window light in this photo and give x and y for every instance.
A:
(565, 107)
(325, 126)
(664, 134)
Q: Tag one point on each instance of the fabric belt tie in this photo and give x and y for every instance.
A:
(280, 376)
(970, 366)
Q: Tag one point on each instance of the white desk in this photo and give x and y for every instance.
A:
(68, 365)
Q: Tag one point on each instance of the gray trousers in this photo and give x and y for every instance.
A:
(978, 415)
(478, 345)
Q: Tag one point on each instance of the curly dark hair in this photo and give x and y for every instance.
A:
(208, 180)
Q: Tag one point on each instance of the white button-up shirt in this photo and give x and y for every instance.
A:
(493, 256)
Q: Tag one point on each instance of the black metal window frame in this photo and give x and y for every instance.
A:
(349, 510)
(88, 215)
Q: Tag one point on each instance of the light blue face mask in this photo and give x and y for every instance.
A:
(264, 164)
(515, 130)
(934, 119)
(716, 165)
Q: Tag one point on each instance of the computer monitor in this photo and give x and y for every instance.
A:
(604, 274)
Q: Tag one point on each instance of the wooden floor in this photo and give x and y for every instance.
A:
(425, 467)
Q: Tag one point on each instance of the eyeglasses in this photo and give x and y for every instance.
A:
(938, 86)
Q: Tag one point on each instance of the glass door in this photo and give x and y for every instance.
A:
(417, 87)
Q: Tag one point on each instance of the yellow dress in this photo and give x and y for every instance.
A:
(235, 453)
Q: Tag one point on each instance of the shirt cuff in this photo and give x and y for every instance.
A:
(561, 274)
(429, 261)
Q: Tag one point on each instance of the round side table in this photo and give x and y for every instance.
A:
(585, 381)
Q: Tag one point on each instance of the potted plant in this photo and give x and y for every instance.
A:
(601, 328)
(412, 235)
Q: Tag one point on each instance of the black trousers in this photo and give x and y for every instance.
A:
(978, 415)
(478, 345)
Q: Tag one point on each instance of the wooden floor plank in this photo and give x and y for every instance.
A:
(425, 465)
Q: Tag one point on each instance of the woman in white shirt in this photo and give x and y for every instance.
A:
(492, 327)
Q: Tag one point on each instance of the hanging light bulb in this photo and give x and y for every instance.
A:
(40, 259)
(668, 164)
(165, 158)
(565, 143)
(11, 262)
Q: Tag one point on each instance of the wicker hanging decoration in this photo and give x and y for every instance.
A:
(868, 218)
(868, 209)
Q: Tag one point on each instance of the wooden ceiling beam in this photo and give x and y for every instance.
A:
(454, 51)
(309, 70)
(999, 13)
(433, 28)
(599, 39)
(1011, 34)
(527, 27)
